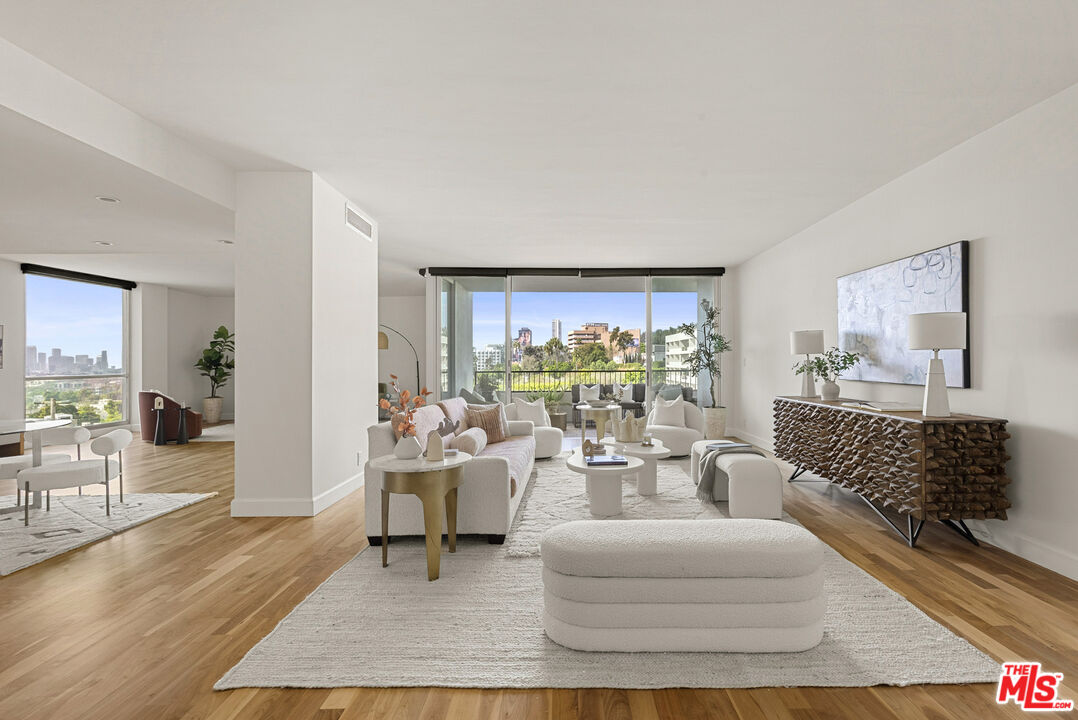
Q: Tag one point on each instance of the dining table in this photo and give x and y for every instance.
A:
(34, 428)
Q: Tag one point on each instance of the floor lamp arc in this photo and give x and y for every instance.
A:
(383, 344)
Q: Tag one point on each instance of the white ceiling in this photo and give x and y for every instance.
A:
(565, 133)
(49, 214)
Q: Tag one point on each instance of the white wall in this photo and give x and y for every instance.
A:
(192, 319)
(306, 310)
(1012, 192)
(13, 318)
(406, 314)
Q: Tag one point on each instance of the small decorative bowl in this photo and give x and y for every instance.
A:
(598, 403)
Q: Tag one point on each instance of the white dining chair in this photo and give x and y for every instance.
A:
(11, 466)
(77, 473)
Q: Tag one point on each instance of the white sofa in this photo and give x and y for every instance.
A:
(488, 497)
(548, 439)
(679, 440)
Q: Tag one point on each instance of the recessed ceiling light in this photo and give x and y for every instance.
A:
(106, 198)
(102, 243)
(227, 242)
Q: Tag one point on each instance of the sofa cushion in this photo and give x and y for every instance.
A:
(669, 412)
(471, 441)
(426, 418)
(669, 392)
(626, 391)
(534, 411)
(490, 419)
(519, 450)
(589, 393)
(456, 409)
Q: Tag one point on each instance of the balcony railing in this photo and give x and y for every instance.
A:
(525, 381)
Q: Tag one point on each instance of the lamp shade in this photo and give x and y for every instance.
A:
(806, 342)
(383, 341)
(938, 331)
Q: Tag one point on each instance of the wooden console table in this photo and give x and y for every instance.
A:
(947, 469)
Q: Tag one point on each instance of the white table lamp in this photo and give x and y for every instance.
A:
(807, 342)
(937, 331)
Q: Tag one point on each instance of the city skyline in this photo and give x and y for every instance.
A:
(96, 326)
(538, 310)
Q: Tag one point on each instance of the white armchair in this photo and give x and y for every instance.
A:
(548, 439)
(10, 467)
(679, 440)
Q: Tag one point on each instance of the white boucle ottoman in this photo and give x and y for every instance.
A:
(738, 585)
(754, 489)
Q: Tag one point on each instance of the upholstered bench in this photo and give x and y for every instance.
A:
(683, 585)
(754, 489)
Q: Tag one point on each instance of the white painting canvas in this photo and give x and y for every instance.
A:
(874, 304)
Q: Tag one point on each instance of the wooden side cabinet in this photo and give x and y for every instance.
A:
(946, 469)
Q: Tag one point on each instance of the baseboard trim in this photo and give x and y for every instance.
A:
(1054, 558)
(754, 439)
(295, 507)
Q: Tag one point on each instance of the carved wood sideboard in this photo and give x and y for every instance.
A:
(947, 469)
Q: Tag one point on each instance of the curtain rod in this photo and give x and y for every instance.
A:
(31, 269)
(571, 272)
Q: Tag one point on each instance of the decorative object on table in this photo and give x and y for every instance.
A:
(830, 366)
(937, 331)
(590, 449)
(181, 433)
(605, 460)
(159, 411)
(874, 306)
(945, 469)
(647, 440)
(217, 363)
(806, 342)
(601, 403)
(435, 445)
(408, 446)
(629, 428)
(383, 344)
(706, 357)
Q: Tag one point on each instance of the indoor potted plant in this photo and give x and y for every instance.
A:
(217, 363)
(710, 344)
(830, 365)
(408, 446)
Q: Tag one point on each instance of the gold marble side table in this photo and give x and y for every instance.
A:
(435, 483)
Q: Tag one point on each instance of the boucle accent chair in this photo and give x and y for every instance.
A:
(488, 497)
(683, 586)
(548, 439)
(679, 440)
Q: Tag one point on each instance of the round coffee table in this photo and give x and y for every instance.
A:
(435, 483)
(646, 479)
(603, 484)
(598, 415)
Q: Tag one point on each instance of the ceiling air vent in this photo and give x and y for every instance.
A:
(358, 223)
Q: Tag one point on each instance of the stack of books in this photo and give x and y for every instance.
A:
(605, 460)
(727, 445)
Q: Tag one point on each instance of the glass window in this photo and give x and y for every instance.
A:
(75, 351)
(676, 315)
(473, 322)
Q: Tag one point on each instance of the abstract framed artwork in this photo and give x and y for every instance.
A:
(874, 304)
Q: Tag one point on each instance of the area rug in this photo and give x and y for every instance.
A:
(77, 520)
(480, 624)
(223, 432)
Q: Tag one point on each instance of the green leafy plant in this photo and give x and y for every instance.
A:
(552, 397)
(218, 361)
(710, 345)
(815, 365)
(830, 365)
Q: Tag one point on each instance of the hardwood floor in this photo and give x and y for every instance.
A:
(141, 625)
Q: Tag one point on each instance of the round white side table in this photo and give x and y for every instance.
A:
(646, 478)
(603, 483)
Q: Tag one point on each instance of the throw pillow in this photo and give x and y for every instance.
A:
(669, 412)
(589, 393)
(625, 390)
(471, 397)
(471, 441)
(534, 411)
(490, 420)
(669, 392)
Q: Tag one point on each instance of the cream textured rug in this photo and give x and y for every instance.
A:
(480, 624)
(77, 520)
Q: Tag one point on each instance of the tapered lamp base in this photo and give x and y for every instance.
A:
(808, 385)
(936, 404)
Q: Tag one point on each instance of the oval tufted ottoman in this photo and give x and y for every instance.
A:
(739, 585)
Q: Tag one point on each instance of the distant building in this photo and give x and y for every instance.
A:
(589, 333)
(31, 359)
(555, 329)
(489, 357)
(677, 350)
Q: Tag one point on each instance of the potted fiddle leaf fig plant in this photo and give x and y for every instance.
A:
(217, 363)
(710, 345)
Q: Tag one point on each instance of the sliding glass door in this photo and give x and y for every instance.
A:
(676, 314)
(472, 337)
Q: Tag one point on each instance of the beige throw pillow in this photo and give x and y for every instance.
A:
(491, 420)
(669, 412)
(589, 393)
(534, 411)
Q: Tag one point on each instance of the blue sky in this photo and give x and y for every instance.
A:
(79, 318)
(536, 309)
